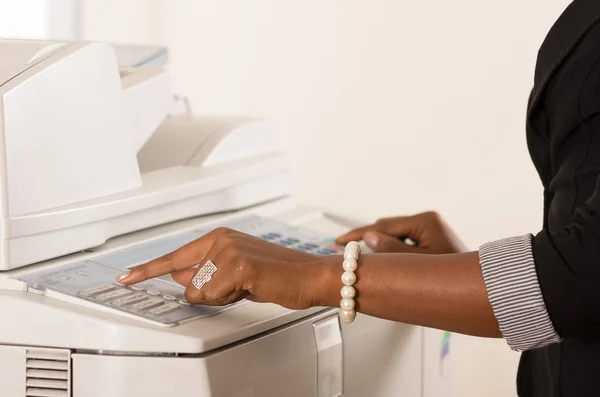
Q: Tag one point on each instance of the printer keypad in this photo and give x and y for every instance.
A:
(134, 299)
(328, 248)
(150, 301)
(161, 299)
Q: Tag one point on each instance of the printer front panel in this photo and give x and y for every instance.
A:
(298, 360)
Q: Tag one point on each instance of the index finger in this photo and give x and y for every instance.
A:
(182, 258)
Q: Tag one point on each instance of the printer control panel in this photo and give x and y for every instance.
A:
(161, 300)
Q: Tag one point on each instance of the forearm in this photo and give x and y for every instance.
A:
(438, 291)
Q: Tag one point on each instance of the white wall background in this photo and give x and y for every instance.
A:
(39, 19)
(384, 106)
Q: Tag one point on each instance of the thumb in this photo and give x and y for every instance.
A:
(380, 242)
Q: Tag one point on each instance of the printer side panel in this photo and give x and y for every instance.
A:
(4, 221)
(64, 132)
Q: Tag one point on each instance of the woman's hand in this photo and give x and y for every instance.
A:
(428, 231)
(436, 291)
(247, 267)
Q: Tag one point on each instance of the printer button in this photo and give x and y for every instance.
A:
(128, 300)
(108, 296)
(96, 290)
(153, 293)
(169, 297)
(166, 308)
(147, 304)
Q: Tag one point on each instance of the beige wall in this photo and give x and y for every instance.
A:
(39, 19)
(385, 107)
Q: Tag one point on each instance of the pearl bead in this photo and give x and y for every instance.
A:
(350, 265)
(348, 278)
(348, 292)
(354, 246)
(348, 316)
(347, 304)
(351, 254)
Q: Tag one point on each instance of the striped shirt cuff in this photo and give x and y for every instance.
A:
(515, 295)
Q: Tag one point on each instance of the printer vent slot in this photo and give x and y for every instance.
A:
(48, 373)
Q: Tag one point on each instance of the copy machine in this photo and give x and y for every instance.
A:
(100, 172)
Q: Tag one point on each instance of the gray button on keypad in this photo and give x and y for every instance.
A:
(107, 296)
(147, 304)
(128, 300)
(167, 307)
(96, 290)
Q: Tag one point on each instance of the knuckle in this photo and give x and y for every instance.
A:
(145, 270)
(231, 253)
(225, 240)
(167, 258)
(222, 230)
(433, 216)
(245, 268)
(191, 296)
(210, 295)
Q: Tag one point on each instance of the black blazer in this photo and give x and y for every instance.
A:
(563, 135)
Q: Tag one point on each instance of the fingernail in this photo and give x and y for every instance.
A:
(371, 239)
(124, 275)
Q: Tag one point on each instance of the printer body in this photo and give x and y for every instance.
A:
(99, 173)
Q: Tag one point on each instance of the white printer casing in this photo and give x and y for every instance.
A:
(93, 162)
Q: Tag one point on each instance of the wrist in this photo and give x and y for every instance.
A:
(326, 281)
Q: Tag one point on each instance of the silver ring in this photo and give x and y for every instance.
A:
(204, 274)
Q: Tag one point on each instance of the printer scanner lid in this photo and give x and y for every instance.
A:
(91, 150)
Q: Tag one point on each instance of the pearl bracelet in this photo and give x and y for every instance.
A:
(348, 292)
